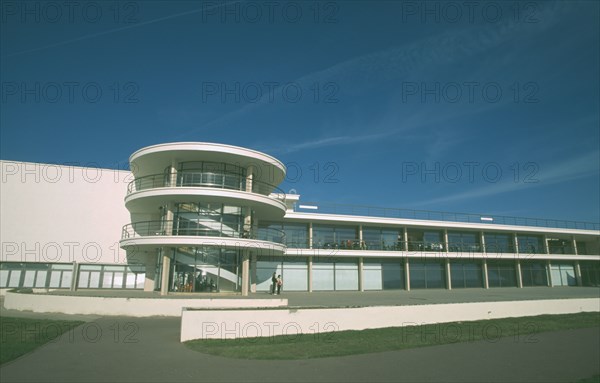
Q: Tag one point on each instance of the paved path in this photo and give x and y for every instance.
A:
(126, 349)
(370, 298)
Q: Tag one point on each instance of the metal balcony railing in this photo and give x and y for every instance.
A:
(223, 180)
(171, 228)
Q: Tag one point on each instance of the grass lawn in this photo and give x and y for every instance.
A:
(19, 336)
(592, 379)
(305, 346)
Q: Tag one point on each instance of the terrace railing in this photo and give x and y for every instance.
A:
(371, 211)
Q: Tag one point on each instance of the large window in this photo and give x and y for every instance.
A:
(425, 240)
(38, 275)
(534, 273)
(502, 274)
(383, 274)
(296, 234)
(334, 274)
(590, 273)
(560, 246)
(563, 274)
(335, 237)
(466, 274)
(293, 273)
(211, 167)
(60, 276)
(499, 243)
(210, 174)
(464, 242)
(383, 238)
(427, 275)
(204, 269)
(530, 244)
(209, 219)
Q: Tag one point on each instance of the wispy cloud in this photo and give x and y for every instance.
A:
(120, 29)
(583, 166)
(397, 63)
(334, 141)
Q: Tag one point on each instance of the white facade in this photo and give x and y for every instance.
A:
(208, 217)
(62, 214)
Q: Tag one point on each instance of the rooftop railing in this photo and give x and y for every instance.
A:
(371, 211)
(222, 180)
(171, 228)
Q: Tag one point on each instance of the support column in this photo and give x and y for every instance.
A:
(516, 244)
(446, 247)
(310, 235)
(75, 276)
(448, 275)
(407, 273)
(519, 274)
(166, 266)
(546, 247)
(549, 272)
(482, 241)
(150, 279)
(169, 224)
(245, 272)
(310, 284)
(361, 286)
(486, 281)
(173, 171)
(253, 273)
(578, 274)
(249, 178)
(575, 251)
(360, 237)
(405, 239)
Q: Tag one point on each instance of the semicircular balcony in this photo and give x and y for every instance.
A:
(145, 192)
(185, 233)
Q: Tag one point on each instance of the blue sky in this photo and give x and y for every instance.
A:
(488, 108)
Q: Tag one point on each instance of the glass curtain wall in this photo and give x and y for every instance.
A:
(205, 269)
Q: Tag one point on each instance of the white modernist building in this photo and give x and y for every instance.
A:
(202, 217)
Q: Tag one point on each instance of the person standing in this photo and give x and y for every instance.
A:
(273, 283)
(279, 284)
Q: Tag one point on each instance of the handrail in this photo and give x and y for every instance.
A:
(170, 228)
(219, 180)
(372, 211)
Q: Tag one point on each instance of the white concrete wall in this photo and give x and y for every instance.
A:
(54, 213)
(134, 307)
(226, 324)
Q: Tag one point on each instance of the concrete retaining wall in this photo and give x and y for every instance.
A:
(135, 307)
(232, 323)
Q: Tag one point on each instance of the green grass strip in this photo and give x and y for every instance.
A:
(306, 346)
(18, 336)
